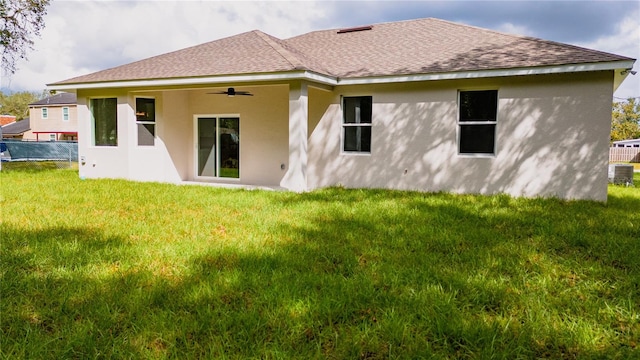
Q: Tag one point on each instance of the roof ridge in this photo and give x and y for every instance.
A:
(61, 98)
(286, 54)
(373, 24)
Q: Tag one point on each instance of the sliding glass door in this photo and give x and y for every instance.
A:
(218, 146)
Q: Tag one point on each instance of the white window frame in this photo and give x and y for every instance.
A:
(464, 123)
(154, 122)
(344, 125)
(44, 112)
(93, 122)
(52, 137)
(65, 113)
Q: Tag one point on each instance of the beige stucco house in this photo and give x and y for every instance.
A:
(53, 118)
(424, 105)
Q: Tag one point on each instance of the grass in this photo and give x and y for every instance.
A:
(119, 269)
(38, 165)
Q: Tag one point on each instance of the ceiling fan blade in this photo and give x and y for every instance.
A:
(232, 92)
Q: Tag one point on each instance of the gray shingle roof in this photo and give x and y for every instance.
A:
(17, 128)
(434, 46)
(423, 46)
(247, 53)
(57, 99)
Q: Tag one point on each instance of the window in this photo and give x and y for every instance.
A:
(477, 121)
(45, 113)
(357, 124)
(52, 137)
(146, 121)
(65, 114)
(105, 124)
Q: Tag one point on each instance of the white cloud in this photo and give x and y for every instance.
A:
(81, 37)
(514, 29)
(86, 36)
(625, 42)
(50, 58)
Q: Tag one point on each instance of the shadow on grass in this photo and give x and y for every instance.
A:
(355, 274)
(509, 270)
(55, 302)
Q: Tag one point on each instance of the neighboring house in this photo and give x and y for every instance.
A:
(7, 119)
(16, 129)
(425, 105)
(634, 143)
(54, 118)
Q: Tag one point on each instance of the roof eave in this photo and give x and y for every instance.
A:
(52, 104)
(204, 80)
(617, 66)
(456, 75)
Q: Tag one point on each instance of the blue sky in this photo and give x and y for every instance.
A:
(86, 36)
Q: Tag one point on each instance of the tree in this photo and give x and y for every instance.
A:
(625, 122)
(17, 104)
(21, 20)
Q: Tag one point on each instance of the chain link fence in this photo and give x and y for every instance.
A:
(37, 155)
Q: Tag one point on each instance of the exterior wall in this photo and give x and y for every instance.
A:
(28, 135)
(53, 123)
(103, 161)
(264, 130)
(551, 138)
(263, 135)
(175, 131)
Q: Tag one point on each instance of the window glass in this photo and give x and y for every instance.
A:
(145, 119)
(478, 105)
(146, 134)
(478, 139)
(357, 138)
(477, 121)
(357, 110)
(218, 147)
(105, 125)
(145, 109)
(357, 124)
(65, 114)
(45, 113)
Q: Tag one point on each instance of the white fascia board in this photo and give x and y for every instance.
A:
(573, 68)
(241, 78)
(332, 81)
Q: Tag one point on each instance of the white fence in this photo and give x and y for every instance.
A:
(626, 154)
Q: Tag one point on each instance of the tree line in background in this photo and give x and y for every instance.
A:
(625, 120)
(17, 104)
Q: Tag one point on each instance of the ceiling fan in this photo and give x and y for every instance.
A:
(231, 92)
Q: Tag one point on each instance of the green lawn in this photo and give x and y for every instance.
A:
(118, 269)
